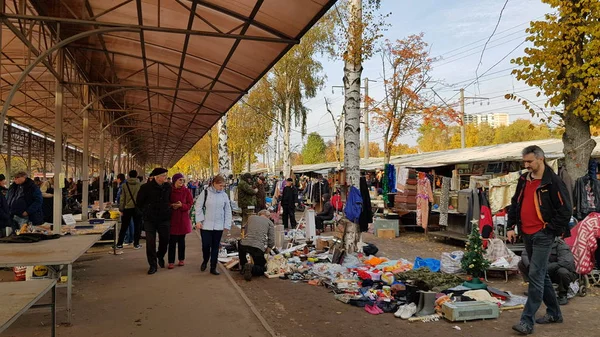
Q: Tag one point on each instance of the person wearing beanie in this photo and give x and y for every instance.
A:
(246, 197)
(181, 202)
(154, 201)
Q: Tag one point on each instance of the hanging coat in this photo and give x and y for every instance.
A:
(366, 216)
(486, 224)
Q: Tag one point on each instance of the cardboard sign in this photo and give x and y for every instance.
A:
(69, 219)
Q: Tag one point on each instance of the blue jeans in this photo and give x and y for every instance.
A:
(539, 247)
(129, 235)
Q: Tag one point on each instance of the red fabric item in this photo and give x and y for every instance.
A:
(336, 202)
(530, 218)
(180, 218)
(586, 243)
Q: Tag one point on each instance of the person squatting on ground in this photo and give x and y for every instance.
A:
(325, 215)
(289, 198)
(541, 211)
(260, 237)
(561, 268)
(129, 211)
(154, 200)
(181, 202)
(213, 215)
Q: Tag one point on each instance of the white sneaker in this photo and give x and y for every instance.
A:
(398, 313)
(408, 311)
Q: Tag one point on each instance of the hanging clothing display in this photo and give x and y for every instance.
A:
(444, 201)
(389, 182)
(401, 178)
(455, 182)
(502, 190)
(486, 224)
(366, 215)
(586, 197)
(424, 197)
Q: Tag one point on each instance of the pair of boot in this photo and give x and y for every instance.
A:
(213, 269)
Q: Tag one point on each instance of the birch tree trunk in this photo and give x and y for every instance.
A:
(352, 73)
(224, 162)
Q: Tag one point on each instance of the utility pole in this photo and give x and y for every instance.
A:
(366, 107)
(462, 116)
(462, 119)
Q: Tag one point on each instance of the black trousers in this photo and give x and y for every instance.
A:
(258, 256)
(563, 277)
(128, 214)
(211, 241)
(289, 212)
(178, 240)
(319, 221)
(152, 228)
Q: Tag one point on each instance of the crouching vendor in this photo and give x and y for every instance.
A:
(561, 268)
(260, 237)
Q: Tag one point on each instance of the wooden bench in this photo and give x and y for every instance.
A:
(18, 297)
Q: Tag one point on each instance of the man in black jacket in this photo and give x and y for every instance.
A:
(289, 199)
(25, 200)
(154, 200)
(561, 268)
(541, 211)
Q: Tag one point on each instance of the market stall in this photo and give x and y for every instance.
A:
(18, 297)
(53, 253)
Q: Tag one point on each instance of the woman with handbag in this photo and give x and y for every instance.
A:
(129, 210)
(213, 215)
(181, 202)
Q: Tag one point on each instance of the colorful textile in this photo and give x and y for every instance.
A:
(586, 243)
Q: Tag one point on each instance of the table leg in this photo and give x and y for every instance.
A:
(69, 291)
(115, 233)
(53, 311)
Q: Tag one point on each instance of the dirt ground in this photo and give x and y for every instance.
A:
(302, 310)
(114, 297)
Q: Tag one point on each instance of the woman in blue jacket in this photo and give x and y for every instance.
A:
(213, 215)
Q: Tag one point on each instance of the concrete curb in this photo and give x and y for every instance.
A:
(255, 311)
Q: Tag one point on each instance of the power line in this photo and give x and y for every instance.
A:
(486, 42)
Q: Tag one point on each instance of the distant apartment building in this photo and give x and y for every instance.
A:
(495, 120)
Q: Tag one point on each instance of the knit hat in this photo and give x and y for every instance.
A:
(158, 171)
(177, 176)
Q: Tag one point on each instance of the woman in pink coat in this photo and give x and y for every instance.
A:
(181, 202)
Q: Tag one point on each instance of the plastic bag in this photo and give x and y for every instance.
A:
(351, 261)
(432, 264)
(451, 262)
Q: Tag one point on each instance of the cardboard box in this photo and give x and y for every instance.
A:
(322, 244)
(386, 233)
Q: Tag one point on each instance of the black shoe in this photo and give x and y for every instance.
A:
(117, 247)
(203, 266)
(248, 272)
(523, 328)
(547, 319)
(161, 262)
(152, 270)
(214, 271)
(563, 300)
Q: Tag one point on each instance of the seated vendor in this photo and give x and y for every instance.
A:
(325, 215)
(561, 268)
(260, 237)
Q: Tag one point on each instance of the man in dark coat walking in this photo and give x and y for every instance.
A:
(154, 200)
(289, 199)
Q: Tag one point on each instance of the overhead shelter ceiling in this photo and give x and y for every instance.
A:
(166, 70)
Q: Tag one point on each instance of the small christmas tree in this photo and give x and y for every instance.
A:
(473, 261)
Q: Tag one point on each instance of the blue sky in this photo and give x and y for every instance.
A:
(456, 31)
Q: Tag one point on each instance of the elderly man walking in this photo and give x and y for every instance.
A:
(154, 200)
(541, 211)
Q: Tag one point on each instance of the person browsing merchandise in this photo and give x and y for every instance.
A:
(540, 209)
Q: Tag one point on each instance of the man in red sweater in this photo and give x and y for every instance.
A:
(541, 211)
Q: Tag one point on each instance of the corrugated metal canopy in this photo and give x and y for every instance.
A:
(166, 70)
(502, 152)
